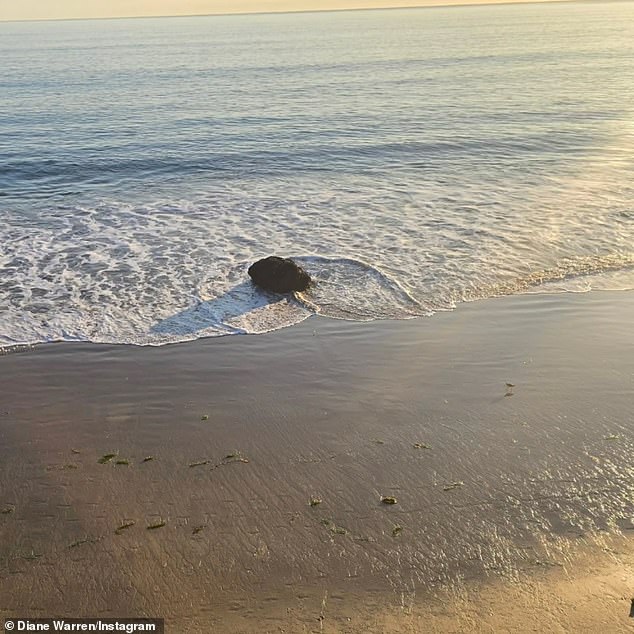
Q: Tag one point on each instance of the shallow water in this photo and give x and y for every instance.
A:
(411, 159)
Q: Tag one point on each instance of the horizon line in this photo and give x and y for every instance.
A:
(441, 4)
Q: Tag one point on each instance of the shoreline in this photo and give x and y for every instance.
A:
(326, 321)
(494, 484)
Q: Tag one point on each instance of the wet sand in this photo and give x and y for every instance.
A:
(514, 504)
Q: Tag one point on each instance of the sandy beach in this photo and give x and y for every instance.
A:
(235, 484)
(435, 433)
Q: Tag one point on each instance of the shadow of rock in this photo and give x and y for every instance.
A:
(242, 309)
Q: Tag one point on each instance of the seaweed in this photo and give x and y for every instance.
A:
(123, 527)
(314, 501)
(397, 530)
(333, 528)
(61, 467)
(199, 463)
(388, 499)
(122, 461)
(107, 457)
(204, 417)
(234, 456)
(364, 540)
(85, 540)
(452, 486)
(156, 525)
(147, 458)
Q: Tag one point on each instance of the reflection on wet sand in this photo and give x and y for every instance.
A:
(242, 483)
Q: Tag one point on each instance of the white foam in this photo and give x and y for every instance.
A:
(175, 270)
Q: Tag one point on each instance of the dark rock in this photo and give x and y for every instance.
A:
(280, 275)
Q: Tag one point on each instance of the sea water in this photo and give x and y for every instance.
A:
(408, 159)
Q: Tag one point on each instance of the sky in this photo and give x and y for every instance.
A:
(61, 9)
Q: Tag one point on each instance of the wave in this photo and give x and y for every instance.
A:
(343, 288)
(567, 270)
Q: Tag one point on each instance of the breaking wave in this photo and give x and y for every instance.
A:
(582, 273)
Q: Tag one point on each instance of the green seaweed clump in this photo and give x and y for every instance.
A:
(235, 456)
(123, 526)
(80, 542)
(199, 463)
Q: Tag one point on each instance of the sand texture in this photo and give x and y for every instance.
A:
(236, 484)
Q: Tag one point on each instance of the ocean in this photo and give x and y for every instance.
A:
(409, 159)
